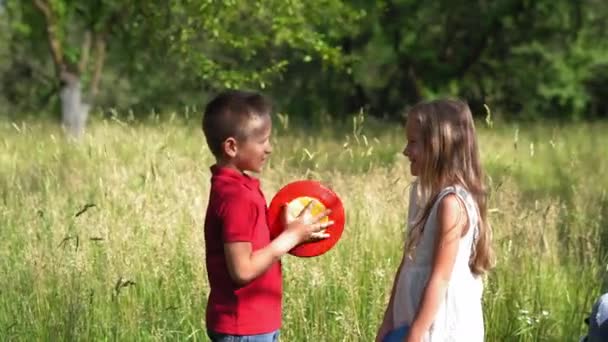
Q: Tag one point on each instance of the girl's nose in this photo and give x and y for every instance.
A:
(404, 152)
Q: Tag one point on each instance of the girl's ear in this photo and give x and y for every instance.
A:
(230, 147)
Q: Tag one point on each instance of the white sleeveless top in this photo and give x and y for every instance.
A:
(460, 316)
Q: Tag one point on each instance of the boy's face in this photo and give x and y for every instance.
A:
(253, 151)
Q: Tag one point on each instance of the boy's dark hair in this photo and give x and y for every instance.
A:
(227, 114)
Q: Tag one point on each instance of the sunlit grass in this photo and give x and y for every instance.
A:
(102, 239)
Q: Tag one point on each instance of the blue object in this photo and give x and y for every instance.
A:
(397, 334)
(598, 321)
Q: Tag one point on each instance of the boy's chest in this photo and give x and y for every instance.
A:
(260, 235)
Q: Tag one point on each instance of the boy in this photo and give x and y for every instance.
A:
(242, 262)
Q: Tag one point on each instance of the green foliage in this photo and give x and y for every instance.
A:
(236, 44)
(526, 59)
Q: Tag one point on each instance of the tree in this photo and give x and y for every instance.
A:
(216, 44)
(68, 24)
(523, 58)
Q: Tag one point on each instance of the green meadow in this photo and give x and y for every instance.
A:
(102, 239)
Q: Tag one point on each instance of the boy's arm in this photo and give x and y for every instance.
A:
(245, 265)
(451, 219)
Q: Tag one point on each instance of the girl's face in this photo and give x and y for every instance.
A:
(413, 149)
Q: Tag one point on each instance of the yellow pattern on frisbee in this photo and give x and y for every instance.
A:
(295, 207)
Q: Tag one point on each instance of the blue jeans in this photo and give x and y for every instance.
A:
(219, 337)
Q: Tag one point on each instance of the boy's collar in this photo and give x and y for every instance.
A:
(229, 173)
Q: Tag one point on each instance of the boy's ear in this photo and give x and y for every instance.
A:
(230, 147)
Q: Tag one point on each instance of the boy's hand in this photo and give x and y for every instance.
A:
(306, 227)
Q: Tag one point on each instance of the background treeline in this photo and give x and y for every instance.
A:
(525, 59)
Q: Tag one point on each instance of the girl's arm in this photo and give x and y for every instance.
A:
(387, 321)
(451, 220)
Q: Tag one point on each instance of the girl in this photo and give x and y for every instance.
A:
(437, 291)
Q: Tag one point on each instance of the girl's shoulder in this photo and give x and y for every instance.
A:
(461, 194)
(460, 191)
(419, 200)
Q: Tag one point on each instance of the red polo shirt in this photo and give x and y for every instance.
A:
(237, 213)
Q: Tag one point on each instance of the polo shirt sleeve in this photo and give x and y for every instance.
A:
(239, 216)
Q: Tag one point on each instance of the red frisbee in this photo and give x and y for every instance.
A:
(297, 195)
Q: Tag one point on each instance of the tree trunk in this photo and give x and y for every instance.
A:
(74, 112)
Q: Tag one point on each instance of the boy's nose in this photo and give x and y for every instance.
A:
(404, 152)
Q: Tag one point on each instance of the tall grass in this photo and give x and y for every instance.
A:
(102, 239)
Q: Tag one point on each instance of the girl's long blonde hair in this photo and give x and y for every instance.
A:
(451, 158)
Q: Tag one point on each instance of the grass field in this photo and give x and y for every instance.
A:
(102, 239)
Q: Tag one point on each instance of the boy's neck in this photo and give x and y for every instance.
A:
(228, 164)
